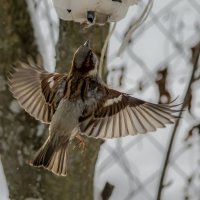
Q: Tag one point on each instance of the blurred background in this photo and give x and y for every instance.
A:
(158, 63)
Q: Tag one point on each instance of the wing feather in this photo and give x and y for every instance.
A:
(154, 121)
(138, 121)
(131, 128)
(118, 115)
(116, 127)
(36, 89)
(124, 122)
(145, 120)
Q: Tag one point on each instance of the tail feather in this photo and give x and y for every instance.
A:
(52, 157)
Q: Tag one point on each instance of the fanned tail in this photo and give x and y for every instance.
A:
(52, 157)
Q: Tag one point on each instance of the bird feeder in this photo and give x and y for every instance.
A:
(92, 11)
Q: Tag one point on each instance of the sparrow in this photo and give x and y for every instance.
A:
(78, 104)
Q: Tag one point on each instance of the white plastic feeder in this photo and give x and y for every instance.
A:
(92, 11)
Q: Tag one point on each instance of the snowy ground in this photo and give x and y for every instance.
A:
(133, 164)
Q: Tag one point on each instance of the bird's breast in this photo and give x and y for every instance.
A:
(66, 117)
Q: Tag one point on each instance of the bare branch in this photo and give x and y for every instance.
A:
(103, 51)
(195, 59)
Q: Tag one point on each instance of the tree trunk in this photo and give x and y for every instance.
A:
(17, 129)
(79, 182)
(19, 133)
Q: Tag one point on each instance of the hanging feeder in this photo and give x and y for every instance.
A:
(92, 11)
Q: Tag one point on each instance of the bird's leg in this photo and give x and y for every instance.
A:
(80, 141)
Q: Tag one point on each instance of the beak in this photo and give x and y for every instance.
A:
(87, 44)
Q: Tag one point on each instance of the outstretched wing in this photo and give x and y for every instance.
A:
(121, 115)
(37, 91)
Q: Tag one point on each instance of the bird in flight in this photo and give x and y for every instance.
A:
(80, 103)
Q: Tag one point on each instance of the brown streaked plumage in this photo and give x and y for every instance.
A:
(79, 103)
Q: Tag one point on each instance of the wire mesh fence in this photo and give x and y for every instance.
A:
(157, 62)
(156, 66)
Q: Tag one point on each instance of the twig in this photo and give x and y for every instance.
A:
(103, 51)
(165, 166)
(135, 26)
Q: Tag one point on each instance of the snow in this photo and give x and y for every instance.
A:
(4, 195)
(45, 22)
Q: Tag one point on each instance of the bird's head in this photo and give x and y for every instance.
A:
(85, 61)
